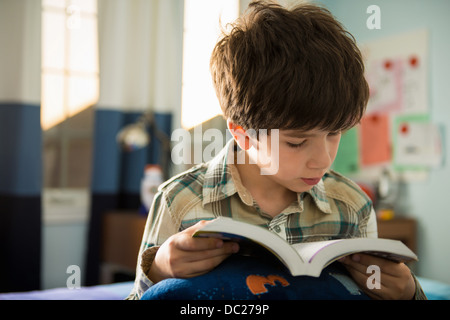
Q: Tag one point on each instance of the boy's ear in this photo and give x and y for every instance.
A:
(239, 134)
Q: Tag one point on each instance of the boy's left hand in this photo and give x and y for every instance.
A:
(396, 280)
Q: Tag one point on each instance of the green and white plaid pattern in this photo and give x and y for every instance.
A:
(334, 208)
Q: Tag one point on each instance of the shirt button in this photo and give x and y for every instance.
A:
(277, 229)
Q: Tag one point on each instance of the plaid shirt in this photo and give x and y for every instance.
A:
(334, 208)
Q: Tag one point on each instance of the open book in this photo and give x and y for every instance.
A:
(304, 258)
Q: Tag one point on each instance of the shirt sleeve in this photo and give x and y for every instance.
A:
(158, 228)
(372, 232)
(372, 228)
(419, 294)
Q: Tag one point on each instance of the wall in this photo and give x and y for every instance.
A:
(20, 145)
(146, 77)
(36, 246)
(425, 200)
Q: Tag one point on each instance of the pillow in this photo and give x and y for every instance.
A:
(250, 278)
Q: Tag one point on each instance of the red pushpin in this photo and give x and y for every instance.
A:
(404, 128)
(388, 65)
(414, 61)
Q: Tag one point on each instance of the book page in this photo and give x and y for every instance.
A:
(324, 252)
(247, 234)
(308, 250)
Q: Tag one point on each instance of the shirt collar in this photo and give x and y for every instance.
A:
(222, 180)
(218, 183)
(319, 196)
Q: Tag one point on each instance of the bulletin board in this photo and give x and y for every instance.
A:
(396, 131)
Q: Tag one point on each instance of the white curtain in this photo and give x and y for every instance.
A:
(141, 43)
(140, 55)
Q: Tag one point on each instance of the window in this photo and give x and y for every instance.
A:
(201, 32)
(70, 87)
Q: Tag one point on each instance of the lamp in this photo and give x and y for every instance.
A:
(136, 136)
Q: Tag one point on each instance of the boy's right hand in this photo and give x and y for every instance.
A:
(183, 256)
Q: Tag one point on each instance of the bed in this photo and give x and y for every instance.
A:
(115, 291)
(434, 290)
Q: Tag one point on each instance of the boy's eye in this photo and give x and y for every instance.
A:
(334, 133)
(295, 145)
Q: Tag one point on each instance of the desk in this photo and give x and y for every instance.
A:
(403, 229)
(122, 233)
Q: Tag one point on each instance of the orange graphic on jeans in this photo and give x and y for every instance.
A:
(256, 284)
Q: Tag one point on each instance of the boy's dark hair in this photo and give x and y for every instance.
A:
(289, 69)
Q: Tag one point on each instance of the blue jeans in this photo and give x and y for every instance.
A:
(249, 278)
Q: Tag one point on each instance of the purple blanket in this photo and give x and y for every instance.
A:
(117, 291)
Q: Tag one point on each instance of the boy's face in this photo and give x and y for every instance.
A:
(303, 156)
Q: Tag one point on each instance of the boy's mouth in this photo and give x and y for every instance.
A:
(311, 181)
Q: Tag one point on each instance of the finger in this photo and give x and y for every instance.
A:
(388, 287)
(356, 264)
(198, 255)
(196, 268)
(205, 266)
(364, 259)
(389, 284)
(186, 242)
(227, 249)
(197, 226)
(386, 266)
(361, 279)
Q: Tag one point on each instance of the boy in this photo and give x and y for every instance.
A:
(299, 76)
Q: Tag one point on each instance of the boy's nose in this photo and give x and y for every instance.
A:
(319, 158)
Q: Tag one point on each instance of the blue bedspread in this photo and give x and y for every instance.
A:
(116, 291)
(434, 290)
